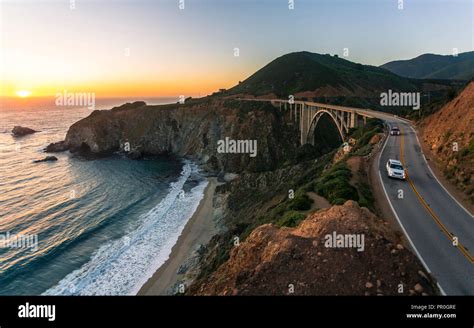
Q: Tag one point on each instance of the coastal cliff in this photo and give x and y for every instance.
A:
(190, 130)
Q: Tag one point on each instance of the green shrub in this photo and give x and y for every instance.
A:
(334, 185)
(279, 209)
(363, 151)
(364, 140)
(338, 201)
(301, 202)
(290, 219)
(372, 126)
(366, 198)
(470, 147)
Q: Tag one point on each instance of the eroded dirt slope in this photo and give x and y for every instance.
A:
(449, 133)
(279, 261)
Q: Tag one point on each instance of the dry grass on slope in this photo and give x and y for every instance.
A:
(279, 261)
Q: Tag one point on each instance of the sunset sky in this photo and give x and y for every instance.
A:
(46, 47)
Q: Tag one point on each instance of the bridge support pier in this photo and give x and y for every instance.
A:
(307, 114)
(353, 120)
(303, 124)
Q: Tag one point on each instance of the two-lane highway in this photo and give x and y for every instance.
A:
(439, 229)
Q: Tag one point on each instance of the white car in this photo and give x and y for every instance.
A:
(395, 131)
(395, 169)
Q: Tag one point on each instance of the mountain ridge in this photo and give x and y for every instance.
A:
(331, 79)
(434, 66)
(306, 71)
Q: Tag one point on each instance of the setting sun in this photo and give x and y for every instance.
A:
(23, 93)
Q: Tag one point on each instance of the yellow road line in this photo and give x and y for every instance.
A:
(460, 246)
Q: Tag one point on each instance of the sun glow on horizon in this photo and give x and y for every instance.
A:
(23, 93)
(162, 52)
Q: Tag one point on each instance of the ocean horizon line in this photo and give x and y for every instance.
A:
(98, 97)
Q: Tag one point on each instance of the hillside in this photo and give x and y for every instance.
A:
(454, 123)
(284, 261)
(431, 66)
(305, 72)
(330, 79)
(280, 238)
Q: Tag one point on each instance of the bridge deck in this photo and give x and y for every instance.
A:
(360, 111)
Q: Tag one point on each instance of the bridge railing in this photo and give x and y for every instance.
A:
(360, 111)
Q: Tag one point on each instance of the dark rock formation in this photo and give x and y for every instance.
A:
(20, 131)
(135, 154)
(56, 147)
(127, 106)
(46, 159)
(189, 130)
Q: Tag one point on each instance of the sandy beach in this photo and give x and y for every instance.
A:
(198, 231)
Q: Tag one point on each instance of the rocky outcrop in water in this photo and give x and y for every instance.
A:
(20, 131)
(189, 130)
(56, 147)
(46, 159)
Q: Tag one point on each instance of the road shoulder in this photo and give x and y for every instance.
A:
(382, 206)
(436, 167)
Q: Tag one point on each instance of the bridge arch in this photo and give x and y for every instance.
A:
(307, 115)
(316, 119)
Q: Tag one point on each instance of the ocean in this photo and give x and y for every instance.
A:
(102, 226)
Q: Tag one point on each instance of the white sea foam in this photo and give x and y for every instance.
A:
(123, 266)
